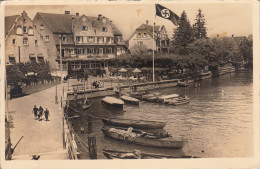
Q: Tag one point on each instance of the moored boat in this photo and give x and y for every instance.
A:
(141, 124)
(182, 84)
(179, 99)
(146, 96)
(136, 154)
(171, 96)
(175, 103)
(131, 100)
(86, 104)
(139, 137)
(113, 102)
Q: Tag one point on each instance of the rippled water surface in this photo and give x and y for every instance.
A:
(218, 121)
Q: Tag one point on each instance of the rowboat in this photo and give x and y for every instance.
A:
(171, 96)
(136, 154)
(139, 137)
(130, 100)
(141, 124)
(180, 99)
(178, 102)
(86, 104)
(113, 102)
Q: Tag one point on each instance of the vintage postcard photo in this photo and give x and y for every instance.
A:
(162, 81)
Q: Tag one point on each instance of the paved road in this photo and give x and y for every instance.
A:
(40, 137)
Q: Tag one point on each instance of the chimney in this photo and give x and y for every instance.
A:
(67, 12)
(77, 14)
(99, 16)
(147, 22)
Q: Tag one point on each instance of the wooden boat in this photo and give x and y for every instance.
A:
(178, 102)
(182, 84)
(113, 102)
(139, 137)
(180, 99)
(171, 96)
(146, 96)
(136, 154)
(86, 104)
(131, 100)
(141, 124)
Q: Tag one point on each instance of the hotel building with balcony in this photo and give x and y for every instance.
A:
(86, 42)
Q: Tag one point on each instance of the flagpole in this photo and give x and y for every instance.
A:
(153, 50)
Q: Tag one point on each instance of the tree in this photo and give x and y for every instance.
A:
(246, 50)
(183, 35)
(200, 31)
(139, 49)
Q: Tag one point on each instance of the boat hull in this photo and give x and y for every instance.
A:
(145, 141)
(130, 101)
(141, 124)
(113, 105)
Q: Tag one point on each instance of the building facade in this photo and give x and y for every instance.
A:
(23, 43)
(144, 35)
(83, 42)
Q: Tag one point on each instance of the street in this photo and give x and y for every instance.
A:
(39, 137)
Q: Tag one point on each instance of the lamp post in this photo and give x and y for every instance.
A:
(19, 54)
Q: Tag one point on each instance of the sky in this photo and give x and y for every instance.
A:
(224, 19)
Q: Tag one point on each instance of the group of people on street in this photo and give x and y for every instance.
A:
(97, 84)
(38, 113)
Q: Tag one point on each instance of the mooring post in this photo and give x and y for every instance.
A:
(91, 140)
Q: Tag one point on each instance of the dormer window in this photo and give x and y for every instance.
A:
(24, 29)
(41, 27)
(145, 35)
(47, 38)
(104, 29)
(19, 30)
(139, 35)
(30, 31)
(84, 28)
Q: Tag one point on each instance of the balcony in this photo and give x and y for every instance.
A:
(87, 56)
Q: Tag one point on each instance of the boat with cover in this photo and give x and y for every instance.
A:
(136, 154)
(141, 124)
(131, 100)
(140, 137)
(113, 102)
(146, 96)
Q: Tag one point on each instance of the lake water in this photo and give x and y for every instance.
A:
(218, 121)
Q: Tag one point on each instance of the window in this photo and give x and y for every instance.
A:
(90, 50)
(19, 30)
(36, 42)
(40, 57)
(13, 41)
(84, 28)
(145, 35)
(25, 41)
(32, 57)
(109, 50)
(108, 39)
(118, 39)
(139, 35)
(78, 38)
(64, 38)
(100, 39)
(104, 29)
(12, 59)
(90, 39)
(47, 38)
(80, 51)
(30, 31)
(41, 27)
(24, 29)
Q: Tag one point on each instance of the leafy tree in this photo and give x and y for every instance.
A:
(183, 35)
(246, 50)
(200, 31)
(139, 49)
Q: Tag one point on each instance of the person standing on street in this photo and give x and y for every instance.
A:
(46, 113)
(35, 110)
(40, 113)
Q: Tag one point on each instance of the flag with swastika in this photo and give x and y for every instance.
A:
(166, 13)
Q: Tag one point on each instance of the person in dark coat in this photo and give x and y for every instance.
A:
(40, 113)
(46, 114)
(35, 110)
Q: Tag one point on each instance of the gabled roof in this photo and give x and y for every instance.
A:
(9, 22)
(63, 23)
(58, 22)
(149, 27)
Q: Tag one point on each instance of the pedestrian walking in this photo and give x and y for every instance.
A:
(46, 114)
(40, 113)
(35, 110)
